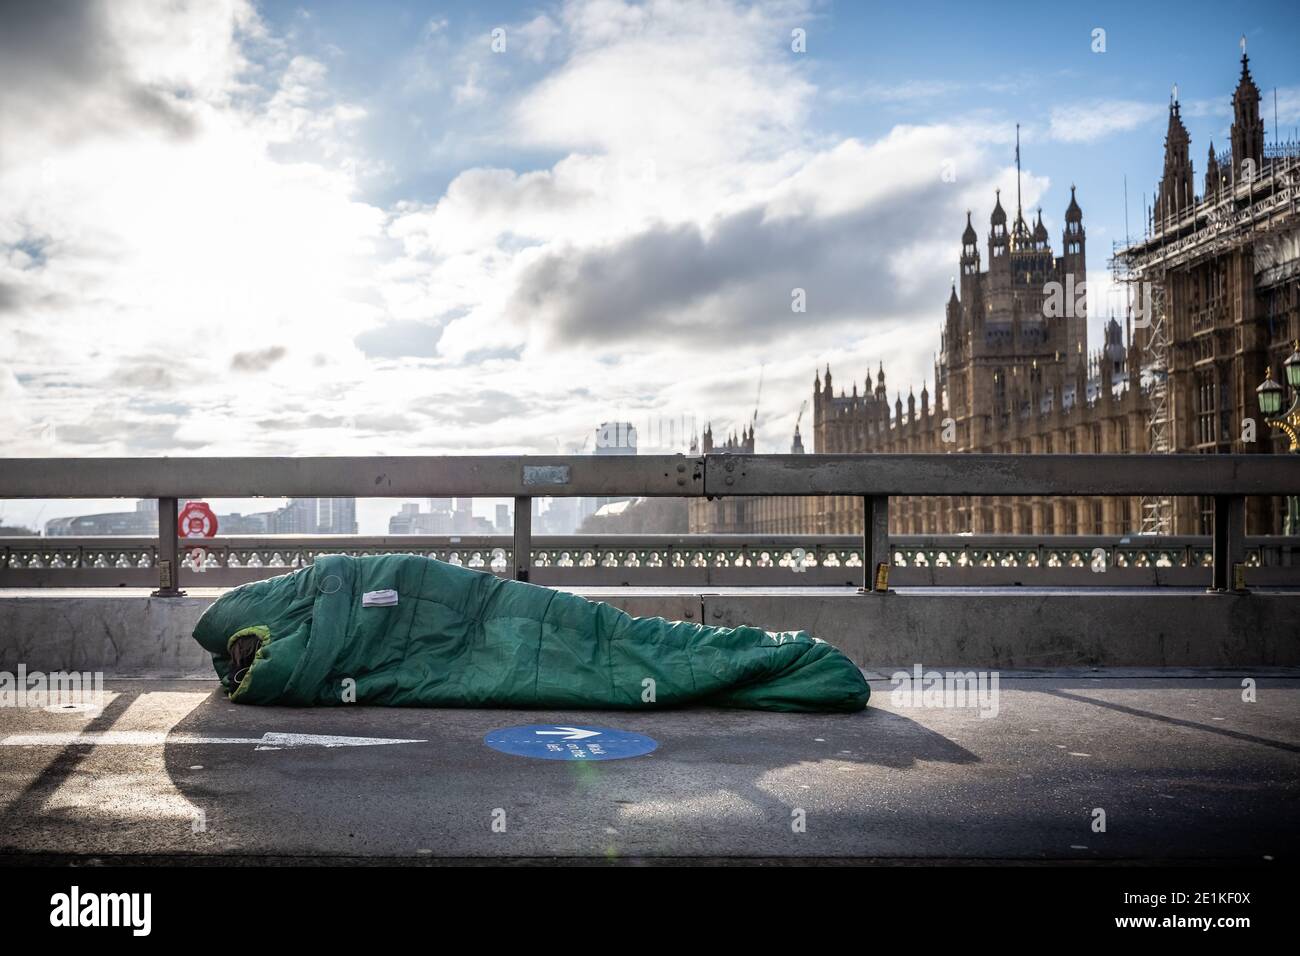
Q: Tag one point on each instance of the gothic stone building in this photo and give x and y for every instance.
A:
(1228, 266)
(1014, 373)
(740, 514)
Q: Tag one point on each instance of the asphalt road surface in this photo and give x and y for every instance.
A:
(1182, 768)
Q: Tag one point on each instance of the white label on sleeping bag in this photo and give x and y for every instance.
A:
(379, 598)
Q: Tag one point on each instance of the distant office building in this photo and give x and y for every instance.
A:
(411, 520)
(314, 516)
(462, 516)
(236, 523)
(555, 515)
(460, 519)
(143, 520)
(297, 517)
(336, 515)
(504, 523)
(404, 521)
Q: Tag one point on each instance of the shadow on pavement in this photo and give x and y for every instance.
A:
(1175, 721)
(716, 774)
(29, 802)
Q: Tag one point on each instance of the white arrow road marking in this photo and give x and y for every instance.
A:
(155, 738)
(570, 733)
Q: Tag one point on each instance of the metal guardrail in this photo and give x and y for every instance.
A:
(874, 478)
(448, 476)
(671, 560)
(1009, 475)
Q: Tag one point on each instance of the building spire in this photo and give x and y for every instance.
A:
(1247, 125)
(1018, 171)
(1072, 212)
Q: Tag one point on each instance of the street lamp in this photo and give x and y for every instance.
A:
(1270, 396)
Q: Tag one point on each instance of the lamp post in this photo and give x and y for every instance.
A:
(1270, 396)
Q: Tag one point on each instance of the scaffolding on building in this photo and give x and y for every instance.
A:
(1252, 203)
(1156, 510)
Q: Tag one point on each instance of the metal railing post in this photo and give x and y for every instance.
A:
(169, 563)
(1229, 548)
(523, 537)
(876, 558)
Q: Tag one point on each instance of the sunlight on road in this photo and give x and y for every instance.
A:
(96, 785)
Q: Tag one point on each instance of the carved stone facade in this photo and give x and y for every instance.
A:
(1232, 298)
(1014, 372)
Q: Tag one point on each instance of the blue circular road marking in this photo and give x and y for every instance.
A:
(569, 742)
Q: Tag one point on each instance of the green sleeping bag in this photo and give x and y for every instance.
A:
(405, 630)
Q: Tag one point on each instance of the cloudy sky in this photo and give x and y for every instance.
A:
(231, 227)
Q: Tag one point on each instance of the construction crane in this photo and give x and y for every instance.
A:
(573, 447)
(759, 397)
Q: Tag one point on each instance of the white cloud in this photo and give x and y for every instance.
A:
(1090, 121)
(537, 37)
(678, 82)
(469, 92)
(211, 279)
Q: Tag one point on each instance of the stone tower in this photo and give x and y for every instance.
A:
(1247, 127)
(1177, 190)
